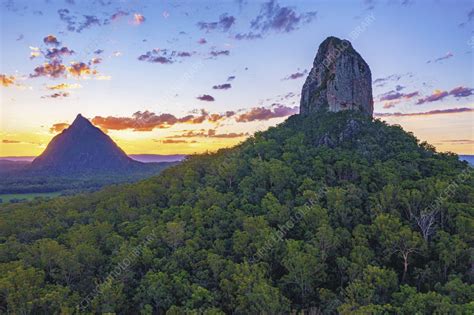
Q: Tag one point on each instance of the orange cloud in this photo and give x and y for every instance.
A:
(7, 80)
(432, 112)
(79, 68)
(138, 18)
(64, 86)
(211, 133)
(147, 121)
(58, 127)
(262, 113)
(51, 40)
(171, 141)
(54, 69)
(6, 141)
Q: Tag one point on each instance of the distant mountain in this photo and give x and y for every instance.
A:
(145, 158)
(157, 158)
(468, 158)
(83, 148)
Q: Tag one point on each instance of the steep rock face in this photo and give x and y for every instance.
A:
(339, 80)
(82, 148)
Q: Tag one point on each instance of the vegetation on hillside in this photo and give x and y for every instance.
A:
(331, 212)
(24, 181)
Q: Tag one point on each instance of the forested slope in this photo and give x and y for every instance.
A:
(332, 212)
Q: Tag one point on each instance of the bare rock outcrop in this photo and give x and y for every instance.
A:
(339, 80)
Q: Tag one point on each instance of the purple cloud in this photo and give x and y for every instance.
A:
(224, 24)
(281, 19)
(461, 91)
(296, 75)
(216, 53)
(224, 86)
(164, 56)
(447, 56)
(438, 95)
(206, 97)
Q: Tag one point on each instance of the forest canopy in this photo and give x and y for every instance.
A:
(334, 212)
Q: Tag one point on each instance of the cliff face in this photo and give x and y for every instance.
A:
(339, 80)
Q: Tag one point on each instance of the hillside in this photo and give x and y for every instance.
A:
(333, 212)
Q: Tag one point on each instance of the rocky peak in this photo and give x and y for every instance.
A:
(339, 80)
(83, 148)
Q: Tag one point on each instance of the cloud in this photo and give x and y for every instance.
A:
(117, 15)
(470, 17)
(51, 40)
(458, 141)
(461, 91)
(58, 127)
(248, 36)
(54, 69)
(262, 113)
(79, 69)
(57, 95)
(35, 52)
(138, 19)
(98, 51)
(55, 53)
(95, 61)
(396, 96)
(74, 25)
(216, 53)
(64, 86)
(224, 86)
(147, 121)
(224, 24)
(210, 133)
(7, 141)
(438, 95)
(206, 97)
(202, 41)
(7, 80)
(383, 81)
(296, 75)
(231, 78)
(432, 112)
(275, 18)
(89, 20)
(164, 56)
(173, 141)
(447, 56)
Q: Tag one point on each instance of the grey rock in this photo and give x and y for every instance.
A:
(339, 80)
(350, 130)
(327, 141)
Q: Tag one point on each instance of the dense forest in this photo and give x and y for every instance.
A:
(22, 180)
(329, 213)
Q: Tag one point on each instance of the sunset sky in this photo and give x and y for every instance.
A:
(169, 77)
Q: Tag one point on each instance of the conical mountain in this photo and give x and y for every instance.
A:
(83, 148)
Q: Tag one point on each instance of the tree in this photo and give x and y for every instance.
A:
(398, 239)
(304, 269)
(175, 234)
(254, 294)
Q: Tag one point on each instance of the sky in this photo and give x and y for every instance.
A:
(183, 77)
